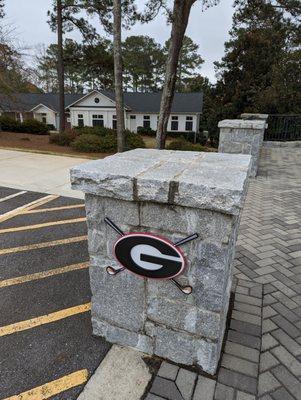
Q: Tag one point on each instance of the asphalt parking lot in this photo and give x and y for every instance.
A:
(46, 343)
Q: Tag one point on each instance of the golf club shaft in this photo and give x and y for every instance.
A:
(113, 226)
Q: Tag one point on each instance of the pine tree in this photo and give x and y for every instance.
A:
(261, 48)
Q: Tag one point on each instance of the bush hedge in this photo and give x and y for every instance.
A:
(190, 136)
(93, 130)
(28, 126)
(187, 135)
(182, 144)
(133, 141)
(10, 125)
(63, 139)
(88, 143)
(103, 140)
(34, 126)
(146, 131)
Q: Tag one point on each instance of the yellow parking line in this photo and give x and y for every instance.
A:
(43, 225)
(28, 206)
(43, 319)
(41, 210)
(54, 387)
(42, 274)
(42, 245)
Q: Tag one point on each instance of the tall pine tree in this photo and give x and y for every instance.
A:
(256, 72)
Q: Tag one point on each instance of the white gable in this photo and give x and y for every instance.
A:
(41, 108)
(91, 100)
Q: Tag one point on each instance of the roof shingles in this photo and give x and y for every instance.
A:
(137, 102)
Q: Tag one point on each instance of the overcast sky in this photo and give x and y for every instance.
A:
(209, 29)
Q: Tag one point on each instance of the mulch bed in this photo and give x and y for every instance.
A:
(28, 141)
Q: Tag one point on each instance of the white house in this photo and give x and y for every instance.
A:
(98, 108)
(141, 109)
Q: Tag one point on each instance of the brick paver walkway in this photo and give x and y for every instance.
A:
(262, 356)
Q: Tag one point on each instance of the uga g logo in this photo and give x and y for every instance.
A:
(149, 256)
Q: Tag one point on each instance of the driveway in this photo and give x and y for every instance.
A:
(38, 172)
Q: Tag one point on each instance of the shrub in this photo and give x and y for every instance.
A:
(109, 142)
(88, 143)
(105, 142)
(93, 130)
(51, 127)
(202, 139)
(182, 144)
(214, 140)
(146, 131)
(10, 125)
(133, 141)
(34, 126)
(63, 139)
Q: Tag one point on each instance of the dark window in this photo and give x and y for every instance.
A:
(114, 122)
(132, 116)
(174, 123)
(97, 120)
(146, 121)
(189, 124)
(96, 100)
(80, 120)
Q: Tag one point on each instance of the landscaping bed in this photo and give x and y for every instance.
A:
(88, 142)
(40, 143)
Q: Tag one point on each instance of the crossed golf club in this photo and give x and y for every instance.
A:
(112, 271)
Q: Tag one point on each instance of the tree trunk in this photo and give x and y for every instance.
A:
(118, 75)
(60, 66)
(180, 16)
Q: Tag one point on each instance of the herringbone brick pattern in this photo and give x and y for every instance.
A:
(269, 253)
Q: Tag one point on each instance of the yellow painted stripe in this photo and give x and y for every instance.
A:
(43, 319)
(28, 206)
(42, 274)
(43, 245)
(54, 387)
(43, 225)
(41, 210)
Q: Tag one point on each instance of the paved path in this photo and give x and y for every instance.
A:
(262, 355)
(38, 172)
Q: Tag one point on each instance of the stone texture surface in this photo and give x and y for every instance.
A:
(270, 231)
(242, 136)
(252, 116)
(193, 179)
(173, 194)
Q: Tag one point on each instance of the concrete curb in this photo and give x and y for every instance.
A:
(122, 375)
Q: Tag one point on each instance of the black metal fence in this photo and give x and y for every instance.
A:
(283, 127)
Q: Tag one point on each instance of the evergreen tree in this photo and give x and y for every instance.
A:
(87, 66)
(189, 61)
(261, 65)
(143, 63)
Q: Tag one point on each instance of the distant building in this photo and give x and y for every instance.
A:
(97, 108)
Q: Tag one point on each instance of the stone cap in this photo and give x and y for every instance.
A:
(254, 116)
(212, 181)
(242, 124)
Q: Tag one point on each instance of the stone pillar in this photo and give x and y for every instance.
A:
(172, 194)
(252, 116)
(242, 136)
